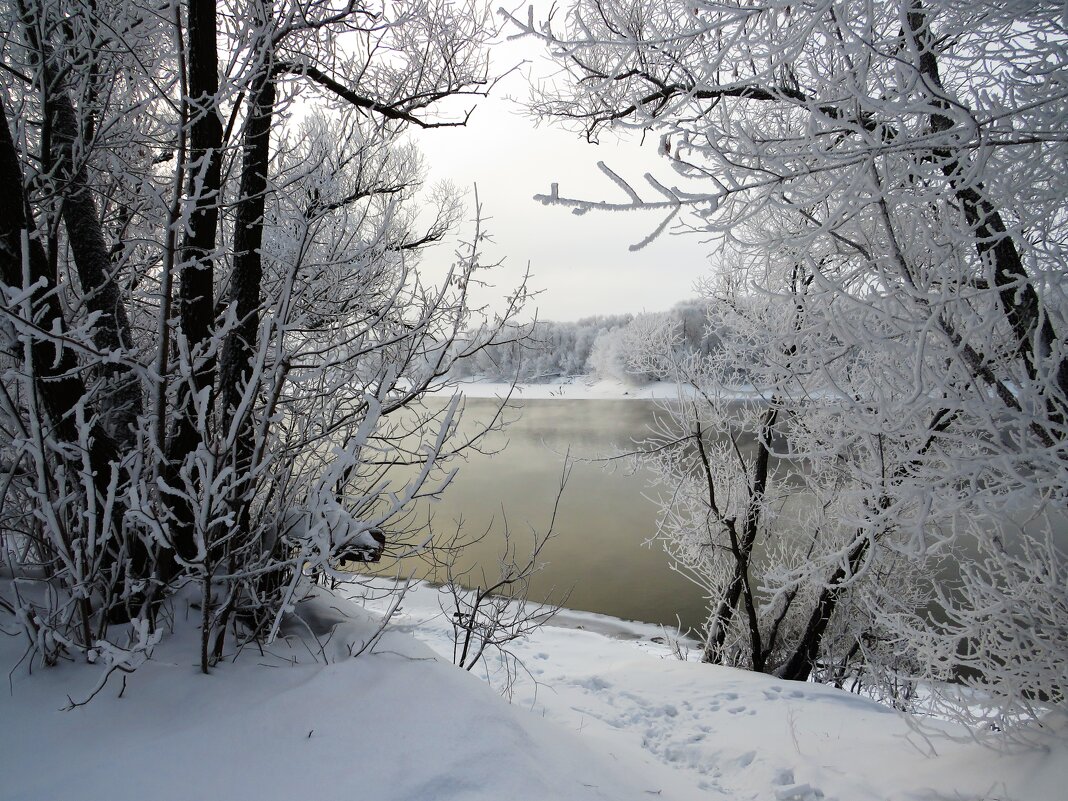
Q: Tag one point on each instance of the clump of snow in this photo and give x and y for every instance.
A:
(605, 713)
(334, 530)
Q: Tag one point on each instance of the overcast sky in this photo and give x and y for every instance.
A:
(582, 263)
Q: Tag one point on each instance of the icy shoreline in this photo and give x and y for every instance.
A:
(581, 387)
(570, 388)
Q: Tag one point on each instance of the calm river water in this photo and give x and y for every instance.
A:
(598, 553)
(600, 559)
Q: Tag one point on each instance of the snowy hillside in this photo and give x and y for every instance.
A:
(609, 715)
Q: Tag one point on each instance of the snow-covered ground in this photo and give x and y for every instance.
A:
(731, 734)
(606, 713)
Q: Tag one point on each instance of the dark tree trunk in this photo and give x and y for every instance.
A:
(245, 284)
(55, 371)
(742, 549)
(122, 403)
(235, 371)
(56, 375)
(1031, 326)
(799, 666)
(803, 659)
(196, 289)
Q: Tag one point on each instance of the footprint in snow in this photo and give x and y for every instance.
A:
(593, 683)
(783, 776)
(741, 710)
(799, 792)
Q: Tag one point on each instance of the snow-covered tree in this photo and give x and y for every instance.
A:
(906, 159)
(216, 336)
(602, 345)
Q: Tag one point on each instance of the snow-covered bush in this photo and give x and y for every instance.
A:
(212, 304)
(884, 183)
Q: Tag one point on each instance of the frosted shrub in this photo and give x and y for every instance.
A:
(213, 308)
(883, 185)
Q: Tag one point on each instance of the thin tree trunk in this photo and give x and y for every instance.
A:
(996, 249)
(239, 349)
(742, 548)
(66, 145)
(799, 666)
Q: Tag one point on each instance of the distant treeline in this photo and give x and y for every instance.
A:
(598, 345)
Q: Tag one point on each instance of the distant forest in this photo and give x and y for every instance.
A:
(600, 346)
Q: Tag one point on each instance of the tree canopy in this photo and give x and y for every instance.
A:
(881, 184)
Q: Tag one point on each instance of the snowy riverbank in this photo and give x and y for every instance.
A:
(590, 387)
(570, 388)
(605, 713)
(703, 732)
(579, 388)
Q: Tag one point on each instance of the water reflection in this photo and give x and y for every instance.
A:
(599, 553)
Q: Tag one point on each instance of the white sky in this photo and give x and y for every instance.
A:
(582, 264)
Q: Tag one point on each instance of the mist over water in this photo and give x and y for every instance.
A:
(601, 557)
(598, 558)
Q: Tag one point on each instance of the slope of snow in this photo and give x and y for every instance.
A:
(604, 714)
(392, 724)
(737, 735)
